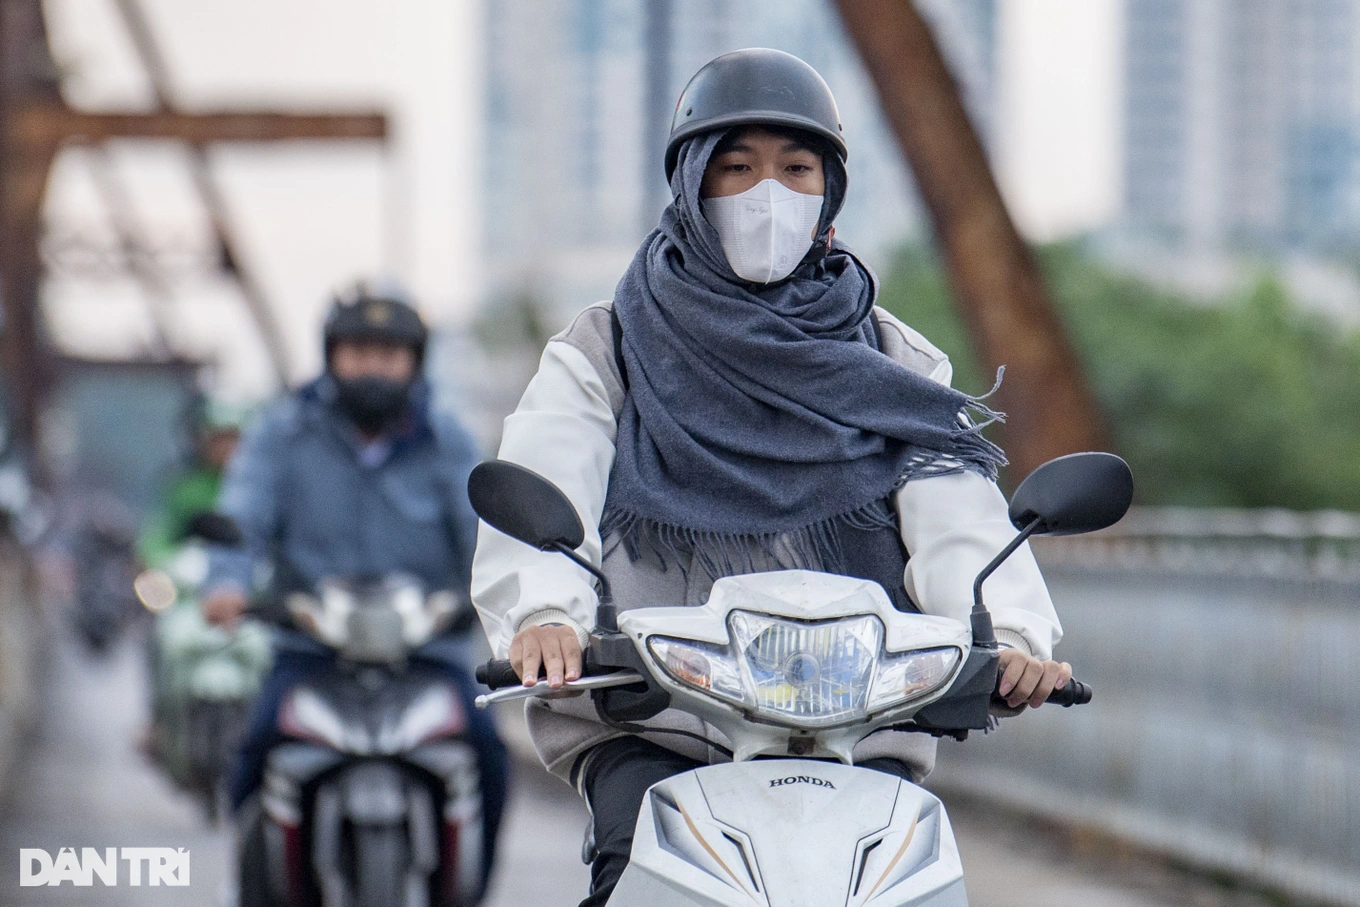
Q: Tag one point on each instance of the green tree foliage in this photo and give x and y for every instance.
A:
(1245, 402)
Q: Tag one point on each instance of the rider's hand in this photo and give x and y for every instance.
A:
(1025, 679)
(224, 607)
(553, 647)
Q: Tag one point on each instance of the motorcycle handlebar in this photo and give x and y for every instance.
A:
(1075, 693)
(496, 674)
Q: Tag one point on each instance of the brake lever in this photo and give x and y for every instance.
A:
(599, 682)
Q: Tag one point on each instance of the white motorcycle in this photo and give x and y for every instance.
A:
(795, 668)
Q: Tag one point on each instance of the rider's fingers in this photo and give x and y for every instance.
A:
(552, 658)
(531, 655)
(1014, 670)
(571, 653)
(1024, 687)
(1047, 684)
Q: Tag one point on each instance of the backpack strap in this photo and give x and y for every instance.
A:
(878, 329)
(616, 329)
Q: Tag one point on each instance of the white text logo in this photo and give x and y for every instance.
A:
(138, 865)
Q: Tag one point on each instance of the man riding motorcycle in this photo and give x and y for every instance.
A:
(354, 475)
(742, 406)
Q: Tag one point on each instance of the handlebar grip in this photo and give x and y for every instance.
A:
(1075, 693)
(496, 674)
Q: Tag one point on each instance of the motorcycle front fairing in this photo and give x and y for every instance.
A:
(791, 833)
(404, 711)
(393, 745)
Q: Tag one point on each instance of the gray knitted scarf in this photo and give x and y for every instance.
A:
(764, 413)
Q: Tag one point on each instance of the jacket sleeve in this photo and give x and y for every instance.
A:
(952, 526)
(250, 496)
(563, 429)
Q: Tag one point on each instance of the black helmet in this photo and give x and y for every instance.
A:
(375, 312)
(755, 87)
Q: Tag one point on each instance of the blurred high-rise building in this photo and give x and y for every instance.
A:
(572, 138)
(1242, 122)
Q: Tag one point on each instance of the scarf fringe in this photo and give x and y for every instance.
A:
(719, 554)
(815, 546)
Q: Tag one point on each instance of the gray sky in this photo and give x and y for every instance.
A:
(1060, 70)
(311, 219)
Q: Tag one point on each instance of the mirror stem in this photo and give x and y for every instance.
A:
(606, 618)
(978, 606)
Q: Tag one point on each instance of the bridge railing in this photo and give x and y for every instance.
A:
(1224, 647)
(1278, 543)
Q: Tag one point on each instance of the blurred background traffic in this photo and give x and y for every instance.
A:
(184, 185)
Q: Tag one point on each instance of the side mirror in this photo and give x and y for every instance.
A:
(1080, 492)
(525, 506)
(214, 528)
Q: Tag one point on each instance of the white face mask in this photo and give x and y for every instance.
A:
(766, 230)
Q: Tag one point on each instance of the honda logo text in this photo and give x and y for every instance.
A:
(802, 779)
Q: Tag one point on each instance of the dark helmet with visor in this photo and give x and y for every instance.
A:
(375, 312)
(757, 86)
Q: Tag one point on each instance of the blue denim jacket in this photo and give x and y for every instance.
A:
(313, 502)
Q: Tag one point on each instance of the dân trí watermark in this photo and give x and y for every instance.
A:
(110, 866)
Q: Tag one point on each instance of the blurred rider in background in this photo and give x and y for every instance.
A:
(353, 475)
(216, 431)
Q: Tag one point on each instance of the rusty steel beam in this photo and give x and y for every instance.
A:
(27, 75)
(34, 125)
(25, 359)
(43, 123)
(998, 288)
(210, 191)
(35, 129)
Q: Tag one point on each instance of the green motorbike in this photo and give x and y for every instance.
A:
(204, 678)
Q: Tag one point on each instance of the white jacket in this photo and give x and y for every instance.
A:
(564, 429)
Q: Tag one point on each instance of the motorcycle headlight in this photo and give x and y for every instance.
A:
(811, 674)
(155, 590)
(805, 673)
(710, 668)
(908, 675)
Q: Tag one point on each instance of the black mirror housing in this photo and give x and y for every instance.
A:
(1080, 492)
(525, 506)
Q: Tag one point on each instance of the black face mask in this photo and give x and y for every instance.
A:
(373, 403)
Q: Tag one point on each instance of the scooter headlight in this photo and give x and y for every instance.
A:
(909, 675)
(802, 673)
(708, 667)
(806, 673)
(155, 590)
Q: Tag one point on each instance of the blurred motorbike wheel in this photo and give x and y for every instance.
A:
(381, 863)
